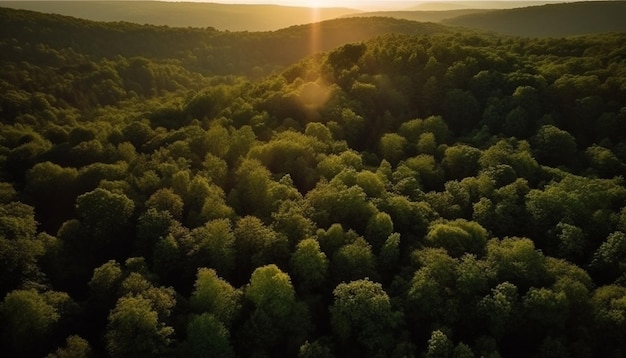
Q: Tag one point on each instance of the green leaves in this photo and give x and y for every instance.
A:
(362, 317)
(134, 329)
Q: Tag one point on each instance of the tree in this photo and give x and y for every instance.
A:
(212, 245)
(213, 295)
(516, 154)
(353, 261)
(430, 173)
(389, 257)
(31, 319)
(609, 309)
(362, 318)
(502, 309)
(257, 245)
(379, 227)
(208, 336)
(461, 161)
(105, 281)
(278, 323)
(554, 146)
(135, 330)
(337, 202)
(516, 260)
(314, 350)
(609, 260)
(105, 214)
(250, 195)
(75, 347)
(458, 237)
(292, 220)
(166, 200)
(439, 346)
(431, 290)
(309, 266)
(392, 147)
(20, 249)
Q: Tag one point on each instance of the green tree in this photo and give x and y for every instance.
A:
(554, 146)
(609, 260)
(250, 195)
(458, 237)
(31, 319)
(439, 346)
(501, 308)
(105, 281)
(516, 260)
(460, 161)
(392, 147)
(75, 347)
(379, 227)
(212, 245)
(166, 200)
(214, 295)
(362, 318)
(207, 336)
(278, 323)
(353, 261)
(20, 248)
(609, 310)
(257, 245)
(134, 329)
(431, 290)
(309, 266)
(104, 213)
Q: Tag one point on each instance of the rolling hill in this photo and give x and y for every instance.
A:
(208, 51)
(553, 20)
(420, 15)
(186, 14)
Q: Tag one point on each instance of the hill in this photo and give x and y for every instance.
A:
(186, 14)
(472, 4)
(552, 20)
(205, 50)
(421, 15)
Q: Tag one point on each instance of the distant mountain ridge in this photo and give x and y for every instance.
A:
(420, 15)
(205, 50)
(229, 17)
(552, 20)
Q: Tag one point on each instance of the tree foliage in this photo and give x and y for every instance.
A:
(450, 194)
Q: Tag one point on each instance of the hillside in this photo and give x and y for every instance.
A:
(205, 50)
(429, 193)
(420, 16)
(553, 20)
(185, 14)
(473, 4)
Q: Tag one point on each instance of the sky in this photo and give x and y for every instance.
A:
(354, 4)
(381, 4)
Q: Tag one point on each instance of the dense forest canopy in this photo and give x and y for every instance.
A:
(430, 192)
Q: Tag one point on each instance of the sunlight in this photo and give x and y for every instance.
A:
(315, 38)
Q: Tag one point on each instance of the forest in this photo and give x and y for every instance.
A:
(406, 190)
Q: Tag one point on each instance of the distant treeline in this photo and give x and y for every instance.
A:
(209, 51)
(231, 17)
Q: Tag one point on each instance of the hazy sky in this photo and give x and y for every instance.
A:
(381, 4)
(355, 4)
